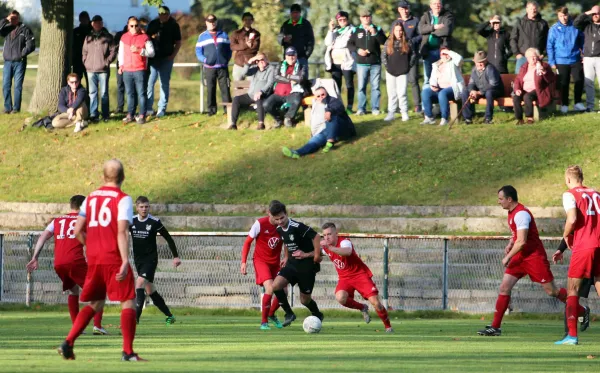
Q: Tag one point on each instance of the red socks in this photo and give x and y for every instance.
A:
(98, 319)
(128, 325)
(562, 295)
(274, 306)
(266, 307)
(351, 303)
(82, 320)
(383, 315)
(572, 311)
(73, 302)
(501, 306)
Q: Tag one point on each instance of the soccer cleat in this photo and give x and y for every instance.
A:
(327, 147)
(66, 351)
(568, 340)
(365, 314)
(275, 321)
(289, 318)
(586, 319)
(389, 330)
(131, 357)
(265, 326)
(170, 320)
(319, 315)
(100, 331)
(289, 153)
(490, 332)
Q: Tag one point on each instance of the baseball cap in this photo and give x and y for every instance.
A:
(291, 51)
(163, 9)
(403, 4)
(364, 12)
(97, 18)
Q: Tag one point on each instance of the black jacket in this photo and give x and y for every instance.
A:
(17, 45)
(411, 28)
(489, 80)
(79, 34)
(336, 107)
(303, 38)
(398, 63)
(426, 28)
(529, 33)
(63, 98)
(498, 43)
(362, 39)
(591, 32)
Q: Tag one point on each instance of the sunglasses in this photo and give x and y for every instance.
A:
(132, 26)
(75, 82)
(321, 95)
(211, 20)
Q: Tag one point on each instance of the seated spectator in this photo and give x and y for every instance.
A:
(498, 42)
(245, 42)
(339, 61)
(288, 90)
(261, 86)
(445, 84)
(485, 82)
(533, 83)
(329, 124)
(71, 105)
(589, 24)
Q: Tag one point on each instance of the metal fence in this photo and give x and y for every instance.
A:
(411, 272)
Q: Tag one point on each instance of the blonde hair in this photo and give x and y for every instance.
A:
(575, 172)
(535, 51)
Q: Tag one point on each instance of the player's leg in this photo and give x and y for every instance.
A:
(81, 322)
(381, 312)
(306, 283)
(344, 294)
(281, 282)
(572, 310)
(508, 282)
(264, 275)
(73, 302)
(78, 272)
(140, 295)
(159, 302)
(266, 303)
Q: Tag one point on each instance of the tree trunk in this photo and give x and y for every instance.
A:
(55, 54)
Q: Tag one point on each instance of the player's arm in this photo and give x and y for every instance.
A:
(124, 220)
(508, 247)
(252, 234)
(345, 248)
(167, 236)
(517, 246)
(286, 256)
(80, 225)
(45, 236)
(570, 206)
(562, 246)
(317, 257)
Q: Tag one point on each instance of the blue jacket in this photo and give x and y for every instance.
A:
(213, 54)
(564, 44)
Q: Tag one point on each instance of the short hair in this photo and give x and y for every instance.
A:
(323, 88)
(84, 15)
(15, 13)
(144, 21)
(328, 225)
(73, 75)
(575, 172)
(76, 201)
(532, 2)
(276, 208)
(535, 51)
(142, 199)
(563, 10)
(247, 14)
(509, 192)
(132, 18)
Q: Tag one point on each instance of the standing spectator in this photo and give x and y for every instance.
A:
(436, 27)
(533, 83)
(214, 51)
(245, 42)
(366, 42)
(79, 34)
(98, 52)
(398, 57)
(297, 32)
(71, 105)
(565, 43)
(120, 83)
(166, 35)
(485, 82)
(529, 32)
(18, 44)
(339, 61)
(143, 25)
(589, 23)
(498, 41)
(411, 29)
(134, 49)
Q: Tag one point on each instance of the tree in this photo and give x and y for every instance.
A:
(268, 17)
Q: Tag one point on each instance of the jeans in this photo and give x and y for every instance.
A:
(246, 101)
(134, 86)
(366, 73)
(397, 93)
(160, 69)
(212, 76)
(336, 75)
(335, 129)
(314, 143)
(432, 56)
(443, 97)
(520, 62)
(489, 95)
(99, 87)
(16, 70)
(527, 98)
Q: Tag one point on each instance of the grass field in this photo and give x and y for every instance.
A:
(232, 343)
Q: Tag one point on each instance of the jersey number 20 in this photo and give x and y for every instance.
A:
(592, 203)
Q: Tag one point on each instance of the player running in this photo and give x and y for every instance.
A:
(267, 262)
(525, 255)
(103, 225)
(69, 261)
(145, 255)
(354, 275)
(301, 261)
(582, 206)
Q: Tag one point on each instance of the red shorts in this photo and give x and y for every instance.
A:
(101, 281)
(536, 266)
(264, 271)
(364, 285)
(584, 264)
(72, 274)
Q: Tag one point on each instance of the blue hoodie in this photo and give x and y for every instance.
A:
(564, 44)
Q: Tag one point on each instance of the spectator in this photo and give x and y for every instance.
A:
(398, 57)
(98, 52)
(166, 35)
(297, 32)
(79, 34)
(498, 42)
(446, 84)
(261, 86)
(288, 89)
(529, 32)
(245, 42)
(339, 61)
(589, 23)
(214, 51)
(533, 83)
(485, 81)
(143, 25)
(436, 27)
(18, 44)
(411, 29)
(366, 42)
(120, 83)
(329, 124)
(71, 105)
(134, 49)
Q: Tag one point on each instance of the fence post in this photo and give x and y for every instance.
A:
(386, 252)
(29, 277)
(1, 265)
(445, 278)
(201, 89)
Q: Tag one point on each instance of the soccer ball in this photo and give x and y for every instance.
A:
(311, 324)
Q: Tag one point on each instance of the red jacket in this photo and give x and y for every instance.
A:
(544, 84)
(134, 61)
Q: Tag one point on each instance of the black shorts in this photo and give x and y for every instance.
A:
(305, 280)
(586, 285)
(146, 270)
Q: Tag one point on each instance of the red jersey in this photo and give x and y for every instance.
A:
(67, 248)
(587, 202)
(268, 242)
(521, 218)
(347, 266)
(102, 209)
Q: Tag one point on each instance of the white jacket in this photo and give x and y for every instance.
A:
(339, 42)
(456, 78)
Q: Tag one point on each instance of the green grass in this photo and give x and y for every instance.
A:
(233, 343)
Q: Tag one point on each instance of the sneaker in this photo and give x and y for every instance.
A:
(275, 321)
(170, 320)
(261, 126)
(428, 120)
(100, 331)
(468, 121)
(530, 121)
(568, 340)
(579, 106)
(66, 351)
(278, 123)
(328, 147)
(106, 119)
(405, 117)
(349, 111)
(78, 127)
(149, 113)
(289, 153)
(265, 326)
(232, 127)
(520, 122)
(490, 332)
(7, 111)
(488, 121)
(288, 122)
(128, 119)
(94, 120)
(365, 314)
(141, 119)
(389, 117)
(319, 315)
(389, 330)
(564, 109)
(289, 318)
(375, 112)
(443, 122)
(161, 114)
(131, 357)
(585, 323)
(360, 112)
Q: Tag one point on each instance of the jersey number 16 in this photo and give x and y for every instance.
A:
(104, 215)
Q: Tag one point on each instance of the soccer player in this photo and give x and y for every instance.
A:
(301, 257)
(354, 275)
(145, 255)
(103, 226)
(69, 261)
(582, 206)
(267, 263)
(524, 255)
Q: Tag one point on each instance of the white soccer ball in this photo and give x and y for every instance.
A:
(311, 324)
